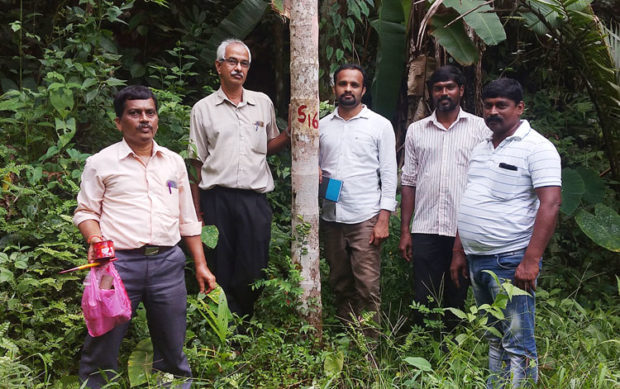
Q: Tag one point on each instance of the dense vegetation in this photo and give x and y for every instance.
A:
(62, 63)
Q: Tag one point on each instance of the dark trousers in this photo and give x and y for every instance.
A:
(432, 255)
(243, 218)
(159, 282)
(355, 267)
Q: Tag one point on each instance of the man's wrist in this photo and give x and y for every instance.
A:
(94, 238)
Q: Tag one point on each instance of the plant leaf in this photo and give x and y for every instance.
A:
(419, 362)
(209, 236)
(333, 363)
(573, 189)
(238, 24)
(454, 39)
(483, 20)
(603, 227)
(140, 363)
(593, 185)
(390, 58)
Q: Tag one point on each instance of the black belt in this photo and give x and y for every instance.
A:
(148, 250)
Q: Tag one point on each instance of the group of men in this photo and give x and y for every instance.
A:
(484, 195)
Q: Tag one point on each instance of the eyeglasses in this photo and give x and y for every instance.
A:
(234, 62)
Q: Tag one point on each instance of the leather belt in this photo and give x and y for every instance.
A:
(148, 250)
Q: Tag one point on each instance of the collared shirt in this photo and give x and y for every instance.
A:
(436, 160)
(499, 206)
(361, 153)
(137, 204)
(231, 140)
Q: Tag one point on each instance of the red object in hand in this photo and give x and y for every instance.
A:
(104, 249)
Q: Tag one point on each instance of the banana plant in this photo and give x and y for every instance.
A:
(581, 38)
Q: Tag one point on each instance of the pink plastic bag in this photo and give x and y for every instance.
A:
(104, 309)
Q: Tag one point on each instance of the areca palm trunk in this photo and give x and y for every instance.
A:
(304, 114)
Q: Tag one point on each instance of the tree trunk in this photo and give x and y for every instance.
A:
(304, 116)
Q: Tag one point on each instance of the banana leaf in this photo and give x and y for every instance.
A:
(238, 24)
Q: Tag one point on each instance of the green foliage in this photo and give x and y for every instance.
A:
(454, 38)
(580, 36)
(215, 311)
(140, 363)
(238, 24)
(603, 227)
(209, 236)
(478, 15)
(69, 65)
(390, 66)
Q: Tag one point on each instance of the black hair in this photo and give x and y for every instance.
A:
(132, 92)
(446, 73)
(353, 67)
(503, 87)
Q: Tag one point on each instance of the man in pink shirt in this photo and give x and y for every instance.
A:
(136, 193)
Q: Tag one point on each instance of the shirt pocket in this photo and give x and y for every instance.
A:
(257, 134)
(363, 147)
(505, 181)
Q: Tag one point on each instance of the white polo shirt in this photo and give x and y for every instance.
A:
(499, 206)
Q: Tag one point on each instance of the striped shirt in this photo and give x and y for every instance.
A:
(499, 206)
(360, 152)
(436, 161)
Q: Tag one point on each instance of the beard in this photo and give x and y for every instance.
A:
(451, 106)
(347, 100)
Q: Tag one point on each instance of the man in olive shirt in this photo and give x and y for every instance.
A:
(231, 133)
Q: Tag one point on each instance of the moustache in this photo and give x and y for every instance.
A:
(141, 126)
(492, 119)
(445, 98)
(236, 73)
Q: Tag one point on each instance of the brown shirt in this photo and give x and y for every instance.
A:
(231, 140)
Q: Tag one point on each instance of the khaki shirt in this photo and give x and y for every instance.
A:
(231, 141)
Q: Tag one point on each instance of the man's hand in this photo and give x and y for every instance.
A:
(91, 250)
(405, 246)
(526, 273)
(458, 267)
(206, 279)
(381, 231)
(320, 176)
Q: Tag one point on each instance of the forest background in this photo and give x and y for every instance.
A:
(63, 61)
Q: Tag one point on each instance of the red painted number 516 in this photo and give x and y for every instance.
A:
(312, 123)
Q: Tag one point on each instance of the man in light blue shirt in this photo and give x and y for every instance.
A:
(357, 147)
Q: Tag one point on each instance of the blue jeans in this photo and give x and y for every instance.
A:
(514, 354)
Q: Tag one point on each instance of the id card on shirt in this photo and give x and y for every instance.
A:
(330, 188)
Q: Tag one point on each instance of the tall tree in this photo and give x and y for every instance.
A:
(304, 117)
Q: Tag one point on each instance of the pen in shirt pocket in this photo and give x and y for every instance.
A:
(171, 184)
(258, 124)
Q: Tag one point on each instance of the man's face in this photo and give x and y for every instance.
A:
(501, 114)
(139, 122)
(447, 95)
(234, 68)
(349, 88)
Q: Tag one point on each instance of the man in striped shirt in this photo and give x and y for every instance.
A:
(506, 218)
(437, 151)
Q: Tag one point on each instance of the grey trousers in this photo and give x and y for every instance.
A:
(158, 281)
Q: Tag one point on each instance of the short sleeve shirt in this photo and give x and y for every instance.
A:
(231, 140)
(499, 206)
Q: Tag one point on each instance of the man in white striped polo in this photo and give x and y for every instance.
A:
(506, 218)
(437, 151)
